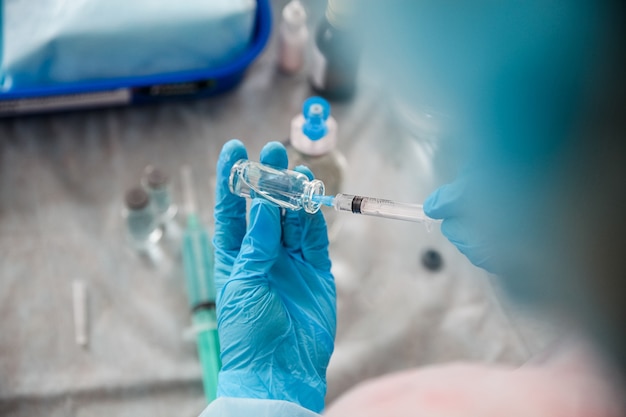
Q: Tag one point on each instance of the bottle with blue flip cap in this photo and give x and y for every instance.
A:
(313, 143)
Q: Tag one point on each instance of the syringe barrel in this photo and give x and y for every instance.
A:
(197, 254)
(381, 208)
(288, 189)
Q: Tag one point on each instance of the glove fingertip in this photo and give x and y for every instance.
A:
(306, 171)
(430, 204)
(232, 147)
(274, 154)
(231, 152)
(445, 201)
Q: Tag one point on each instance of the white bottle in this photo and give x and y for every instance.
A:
(313, 142)
(293, 37)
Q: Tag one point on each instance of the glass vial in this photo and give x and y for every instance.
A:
(289, 189)
(156, 183)
(293, 37)
(313, 143)
(336, 52)
(141, 221)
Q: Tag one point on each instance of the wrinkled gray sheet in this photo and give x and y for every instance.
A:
(62, 179)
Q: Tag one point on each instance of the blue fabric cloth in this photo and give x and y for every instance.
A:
(53, 41)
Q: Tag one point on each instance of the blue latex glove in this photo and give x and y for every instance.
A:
(275, 293)
(450, 203)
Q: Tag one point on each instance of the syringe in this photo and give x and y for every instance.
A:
(294, 190)
(378, 207)
(198, 266)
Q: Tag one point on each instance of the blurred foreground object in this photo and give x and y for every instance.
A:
(336, 52)
(534, 93)
(572, 384)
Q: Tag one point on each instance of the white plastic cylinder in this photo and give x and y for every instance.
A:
(293, 37)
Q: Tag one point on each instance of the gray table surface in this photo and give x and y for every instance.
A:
(62, 180)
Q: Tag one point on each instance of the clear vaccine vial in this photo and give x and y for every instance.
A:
(141, 222)
(289, 189)
(156, 183)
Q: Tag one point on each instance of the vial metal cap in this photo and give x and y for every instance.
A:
(154, 177)
(136, 198)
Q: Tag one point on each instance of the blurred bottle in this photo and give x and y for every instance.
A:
(336, 52)
(141, 222)
(313, 142)
(156, 183)
(293, 37)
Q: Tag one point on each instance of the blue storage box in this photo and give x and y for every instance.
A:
(202, 82)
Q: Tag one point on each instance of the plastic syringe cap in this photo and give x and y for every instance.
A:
(136, 198)
(315, 111)
(154, 177)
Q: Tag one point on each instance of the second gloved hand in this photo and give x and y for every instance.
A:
(450, 203)
(275, 293)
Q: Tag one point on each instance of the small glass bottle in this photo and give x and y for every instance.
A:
(156, 183)
(289, 189)
(336, 51)
(313, 143)
(293, 37)
(141, 222)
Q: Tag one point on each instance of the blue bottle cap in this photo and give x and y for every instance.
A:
(315, 111)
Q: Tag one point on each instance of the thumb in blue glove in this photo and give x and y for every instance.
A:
(276, 295)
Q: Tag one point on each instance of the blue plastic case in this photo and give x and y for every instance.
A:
(142, 89)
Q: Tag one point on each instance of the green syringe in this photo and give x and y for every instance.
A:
(198, 265)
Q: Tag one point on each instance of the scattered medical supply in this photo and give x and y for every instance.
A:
(79, 298)
(336, 53)
(293, 190)
(313, 143)
(141, 221)
(198, 266)
(288, 189)
(293, 37)
(432, 260)
(156, 183)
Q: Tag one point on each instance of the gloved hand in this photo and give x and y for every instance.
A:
(275, 293)
(452, 204)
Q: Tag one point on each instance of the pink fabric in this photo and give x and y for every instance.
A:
(567, 387)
